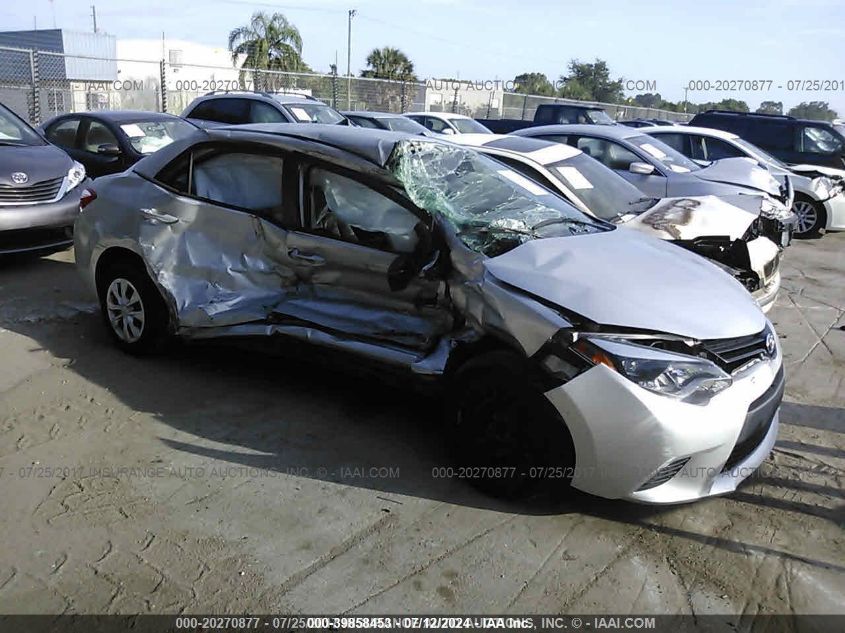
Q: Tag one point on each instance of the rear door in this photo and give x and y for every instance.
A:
(777, 136)
(357, 258)
(820, 145)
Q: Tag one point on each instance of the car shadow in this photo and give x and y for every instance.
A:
(281, 411)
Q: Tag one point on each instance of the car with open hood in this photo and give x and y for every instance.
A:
(659, 170)
(819, 201)
(39, 190)
(572, 352)
(735, 232)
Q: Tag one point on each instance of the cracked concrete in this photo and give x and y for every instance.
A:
(217, 479)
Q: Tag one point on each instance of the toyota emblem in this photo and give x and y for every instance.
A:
(770, 344)
(19, 178)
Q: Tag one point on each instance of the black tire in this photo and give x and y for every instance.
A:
(152, 330)
(816, 224)
(508, 438)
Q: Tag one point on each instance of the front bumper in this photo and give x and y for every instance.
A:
(625, 436)
(835, 209)
(39, 227)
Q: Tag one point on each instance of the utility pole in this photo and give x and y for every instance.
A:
(352, 13)
(94, 16)
(686, 92)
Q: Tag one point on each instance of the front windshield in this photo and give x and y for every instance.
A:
(469, 126)
(605, 193)
(671, 158)
(13, 131)
(314, 112)
(493, 208)
(147, 137)
(599, 117)
(759, 153)
(404, 124)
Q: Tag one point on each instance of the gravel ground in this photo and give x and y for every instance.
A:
(225, 480)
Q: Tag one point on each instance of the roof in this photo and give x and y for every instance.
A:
(758, 115)
(119, 116)
(440, 115)
(538, 150)
(686, 129)
(604, 131)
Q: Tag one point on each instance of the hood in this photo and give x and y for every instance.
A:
(744, 172)
(815, 171)
(697, 216)
(620, 278)
(38, 162)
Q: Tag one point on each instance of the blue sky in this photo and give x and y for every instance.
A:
(670, 42)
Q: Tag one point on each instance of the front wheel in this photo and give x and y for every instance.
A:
(508, 439)
(811, 217)
(132, 308)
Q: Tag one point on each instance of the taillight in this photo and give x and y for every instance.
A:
(86, 197)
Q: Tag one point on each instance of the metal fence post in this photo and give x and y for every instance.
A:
(334, 87)
(403, 99)
(163, 73)
(35, 107)
(524, 106)
(455, 102)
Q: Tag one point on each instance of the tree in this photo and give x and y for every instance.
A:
(591, 82)
(648, 100)
(268, 42)
(734, 105)
(770, 107)
(389, 63)
(533, 84)
(818, 110)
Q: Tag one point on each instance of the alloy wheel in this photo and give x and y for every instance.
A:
(807, 216)
(125, 310)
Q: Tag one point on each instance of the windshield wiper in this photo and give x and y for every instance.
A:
(12, 144)
(563, 220)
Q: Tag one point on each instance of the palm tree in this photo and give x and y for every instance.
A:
(389, 63)
(268, 42)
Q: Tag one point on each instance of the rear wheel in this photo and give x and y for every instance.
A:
(508, 438)
(811, 217)
(132, 308)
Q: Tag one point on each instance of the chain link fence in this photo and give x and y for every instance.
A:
(41, 84)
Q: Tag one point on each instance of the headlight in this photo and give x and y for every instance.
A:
(688, 378)
(75, 175)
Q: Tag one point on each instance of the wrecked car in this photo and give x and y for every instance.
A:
(572, 353)
(819, 201)
(734, 231)
(658, 170)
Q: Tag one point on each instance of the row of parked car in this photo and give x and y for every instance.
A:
(588, 297)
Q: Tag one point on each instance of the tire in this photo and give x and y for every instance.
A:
(811, 217)
(132, 309)
(508, 438)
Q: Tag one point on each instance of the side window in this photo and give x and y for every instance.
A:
(233, 111)
(345, 209)
(362, 122)
(697, 149)
(261, 112)
(240, 179)
(63, 133)
(97, 134)
(607, 152)
(774, 135)
(525, 170)
(818, 140)
(718, 149)
(434, 124)
(676, 141)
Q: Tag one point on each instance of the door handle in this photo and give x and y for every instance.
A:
(307, 258)
(157, 216)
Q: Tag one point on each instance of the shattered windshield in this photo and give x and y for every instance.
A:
(604, 192)
(494, 208)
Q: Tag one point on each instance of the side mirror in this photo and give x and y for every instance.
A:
(108, 149)
(644, 169)
(448, 131)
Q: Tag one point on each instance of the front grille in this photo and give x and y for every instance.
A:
(732, 353)
(758, 421)
(43, 191)
(28, 239)
(664, 474)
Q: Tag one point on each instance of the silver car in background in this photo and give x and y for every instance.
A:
(422, 257)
